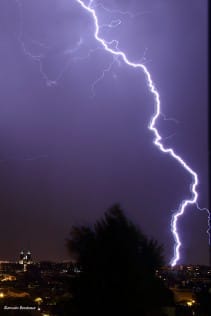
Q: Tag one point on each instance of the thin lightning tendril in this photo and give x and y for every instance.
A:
(128, 13)
(39, 58)
(107, 69)
(108, 46)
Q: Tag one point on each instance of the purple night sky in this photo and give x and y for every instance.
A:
(73, 121)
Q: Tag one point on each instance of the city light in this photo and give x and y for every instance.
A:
(38, 300)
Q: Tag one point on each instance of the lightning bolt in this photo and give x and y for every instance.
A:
(112, 48)
(106, 70)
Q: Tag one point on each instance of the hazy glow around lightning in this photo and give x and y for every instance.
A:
(152, 126)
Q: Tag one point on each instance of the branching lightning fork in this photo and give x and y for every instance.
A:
(152, 126)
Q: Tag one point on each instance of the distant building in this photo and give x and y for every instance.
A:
(21, 257)
(29, 257)
(25, 259)
(9, 267)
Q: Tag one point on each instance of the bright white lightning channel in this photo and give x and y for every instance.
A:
(152, 127)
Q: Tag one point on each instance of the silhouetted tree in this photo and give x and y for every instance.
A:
(118, 269)
(203, 298)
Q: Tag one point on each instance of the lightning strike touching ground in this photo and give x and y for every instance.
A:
(113, 50)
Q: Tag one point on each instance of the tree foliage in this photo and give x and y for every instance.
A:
(118, 268)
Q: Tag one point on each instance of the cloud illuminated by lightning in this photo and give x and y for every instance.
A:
(112, 48)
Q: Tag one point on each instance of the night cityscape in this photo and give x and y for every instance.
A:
(42, 288)
(104, 158)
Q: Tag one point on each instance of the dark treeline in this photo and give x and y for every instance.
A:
(118, 266)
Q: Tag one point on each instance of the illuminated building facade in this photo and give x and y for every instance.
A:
(25, 259)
